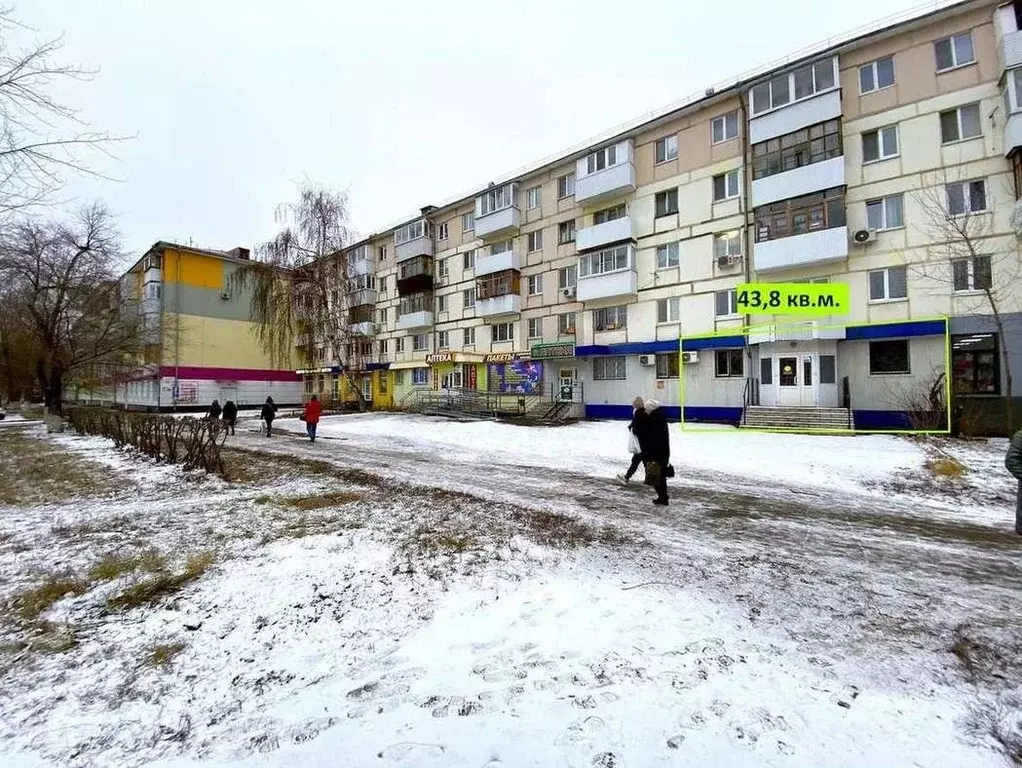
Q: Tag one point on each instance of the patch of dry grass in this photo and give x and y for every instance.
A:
(322, 500)
(34, 470)
(429, 541)
(115, 565)
(162, 654)
(54, 638)
(553, 529)
(946, 467)
(32, 603)
(159, 585)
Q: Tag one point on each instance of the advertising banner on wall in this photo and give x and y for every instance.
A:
(518, 377)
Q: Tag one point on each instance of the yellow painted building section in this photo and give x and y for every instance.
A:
(192, 340)
(192, 269)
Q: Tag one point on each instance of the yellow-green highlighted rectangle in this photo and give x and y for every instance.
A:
(805, 299)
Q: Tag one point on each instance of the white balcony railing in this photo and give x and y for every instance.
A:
(615, 181)
(801, 250)
(499, 224)
(609, 285)
(598, 235)
(488, 263)
(508, 304)
(420, 319)
(363, 297)
(799, 181)
(367, 328)
(361, 266)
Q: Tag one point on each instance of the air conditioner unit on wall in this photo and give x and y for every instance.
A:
(863, 236)
(647, 359)
(569, 292)
(690, 357)
(728, 261)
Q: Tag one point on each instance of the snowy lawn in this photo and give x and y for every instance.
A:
(420, 592)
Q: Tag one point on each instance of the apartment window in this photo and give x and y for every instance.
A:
(610, 318)
(727, 244)
(601, 262)
(602, 158)
(399, 378)
(726, 303)
(609, 214)
(468, 298)
(729, 363)
(443, 268)
(497, 199)
(399, 344)
(880, 144)
(725, 186)
(876, 75)
(383, 347)
(420, 377)
(954, 51)
(442, 339)
(668, 310)
(960, 124)
(566, 232)
(975, 364)
(666, 149)
(966, 197)
(885, 213)
(888, 284)
(888, 356)
(381, 253)
(566, 324)
(441, 303)
(535, 285)
(532, 197)
(566, 185)
(419, 342)
(610, 368)
(410, 232)
(502, 332)
(441, 233)
(535, 241)
(383, 285)
(724, 128)
(797, 149)
(468, 260)
(667, 365)
(451, 379)
(381, 316)
(567, 277)
(536, 328)
(1016, 172)
(666, 202)
(504, 283)
(973, 274)
(800, 215)
(468, 222)
(468, 337)
(667, 256)
(801, 84)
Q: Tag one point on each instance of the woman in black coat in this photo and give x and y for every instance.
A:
(655, 441)
(230, 415)
(268, 414)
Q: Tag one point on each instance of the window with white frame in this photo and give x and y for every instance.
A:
(601, 159)
(566, 185)
(381, 316)
(566, 324)
(667, 256)
(727, 244)
(566, 232)
(496, 199)
(410, 232)
(889, 284)
(399, 344)
(567, 277)
(610, 368)
(381, 253)
(534, 240)
(668, 310)
(880, 144)
(535, 285)
(535, 328)
(885, 213)
(532, 197)
(468, 259)
(420, 377)
(441, 233)
(443, 268)
(666, 149)
(442, 339)
(441, 303)
(726, 303)
(876, 75)
(724, 128)
(954, 51)
(468, 337)
(602, 262)
(667, 365)
(729, 363)
(399, 378)
(793, 86)
(960, 123)
(420, 342)
(502, 332)
(610, 318)
(666, 202)
(725, 186)
(966, 197)
(451, 379)
(504, 246)
(468, 298)
(610, 214)
(468, 222)
(975, 274)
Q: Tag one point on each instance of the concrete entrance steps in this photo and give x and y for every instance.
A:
(779, 417)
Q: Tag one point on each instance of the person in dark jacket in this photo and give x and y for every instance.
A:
(230, 416)
(268, 414)
(655, 442)
(1013, 463)
(635, 426)
(214, 411)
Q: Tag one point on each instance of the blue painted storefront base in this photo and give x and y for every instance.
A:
(864, 420)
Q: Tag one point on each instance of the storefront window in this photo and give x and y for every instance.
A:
(974, 364)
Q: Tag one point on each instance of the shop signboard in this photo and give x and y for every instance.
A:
(439, 357)
(552, 351)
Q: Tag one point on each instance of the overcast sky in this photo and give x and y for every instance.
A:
(402, 104)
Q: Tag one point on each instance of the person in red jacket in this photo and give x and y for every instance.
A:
(311, 416)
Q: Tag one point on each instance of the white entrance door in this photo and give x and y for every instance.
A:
(798, 377)
(566, 384)
(788, 385)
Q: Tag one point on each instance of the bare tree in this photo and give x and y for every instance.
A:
(62, 295)
(41, 138)
(964, 253)
(300, 284)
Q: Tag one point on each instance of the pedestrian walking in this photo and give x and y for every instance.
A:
(268, 414)
(1013, 463)
(635, 426)
(214, 411)
(313, 409)
(230, 416)
(655, 442)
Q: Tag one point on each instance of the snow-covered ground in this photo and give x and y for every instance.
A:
(480, 594)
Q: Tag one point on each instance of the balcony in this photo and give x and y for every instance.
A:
(607, 173)
(487, 264)
(412, 320)
(364, 328)
(799, 181)
(612, 285)
(414, 239)
(498, 225)
(1013, 133)
(362, 298)
(496, 306)
(803, 250)
(1009, 39)
(598, 235)
(360, 267)
(415, 276)
(795, 115)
